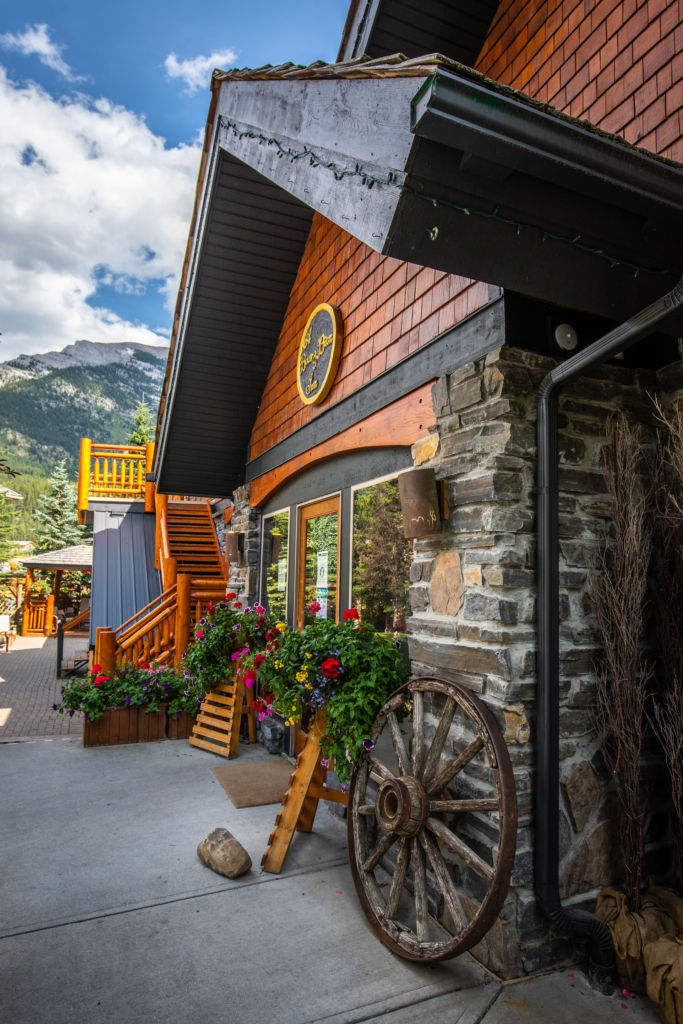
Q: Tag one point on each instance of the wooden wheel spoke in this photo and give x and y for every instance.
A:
(454, 806)
(398, 881)
(443, 777)
(444, 879)
(383, 845)
(437, 743)
(380, 768)
(367, 809)
(399, 745)
(462, 849)
(420, 893)
(418, 732)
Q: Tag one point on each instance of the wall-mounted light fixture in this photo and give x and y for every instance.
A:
(234, 544)
(419, 503)
(276, 544)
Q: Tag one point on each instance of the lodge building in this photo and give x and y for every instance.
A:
(387, 256)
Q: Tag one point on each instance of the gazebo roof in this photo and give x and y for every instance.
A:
(78, 557)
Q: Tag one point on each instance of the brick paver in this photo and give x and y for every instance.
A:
(29, 687)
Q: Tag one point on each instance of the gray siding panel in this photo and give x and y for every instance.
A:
(124, 579)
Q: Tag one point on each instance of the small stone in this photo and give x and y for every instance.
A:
(473, 576)
(424, 449)
(221, 852)
(582, 792)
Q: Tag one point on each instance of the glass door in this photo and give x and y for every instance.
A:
(319, 559)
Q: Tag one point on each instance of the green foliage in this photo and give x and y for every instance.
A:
(31, 488)
(143, 425)
(142, 686)
(8, 516)
(222, 636)
(348, 669)
(57, 514)
(6, 469)
(381, 556)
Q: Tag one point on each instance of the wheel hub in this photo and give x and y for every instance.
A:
(401, 806)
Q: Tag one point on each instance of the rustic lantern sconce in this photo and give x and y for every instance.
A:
(419, 503)
(234, 543)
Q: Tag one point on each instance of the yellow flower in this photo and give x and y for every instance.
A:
(279, 664)
(308, 655)
(282, 626)
(287, 721)
(309, 686)
(302, 677)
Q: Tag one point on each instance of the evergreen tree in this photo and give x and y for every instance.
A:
(8, 515)
(57, 514)
(143, 426)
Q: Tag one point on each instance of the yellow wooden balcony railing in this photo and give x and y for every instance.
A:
(117, 472)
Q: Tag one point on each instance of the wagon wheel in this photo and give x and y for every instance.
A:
(423, 805)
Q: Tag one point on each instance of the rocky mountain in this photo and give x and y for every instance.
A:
(48, 402)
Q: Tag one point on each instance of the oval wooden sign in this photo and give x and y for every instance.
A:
(319, 353)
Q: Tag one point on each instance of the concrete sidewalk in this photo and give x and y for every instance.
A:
(29, 688)
(108, 914)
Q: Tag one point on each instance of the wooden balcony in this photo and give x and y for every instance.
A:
(116, 473)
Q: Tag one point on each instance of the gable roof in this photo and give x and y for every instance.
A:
(77, 557)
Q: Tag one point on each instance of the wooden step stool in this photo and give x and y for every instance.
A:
(300, 802)
(217, 727)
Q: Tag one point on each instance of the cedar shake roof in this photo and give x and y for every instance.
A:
(78, 557)
(399, 66)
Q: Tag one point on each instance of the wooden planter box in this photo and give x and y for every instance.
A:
(181, 727)
(125, 725)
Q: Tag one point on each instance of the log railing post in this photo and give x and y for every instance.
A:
(162, 509)
(105, 650)
(49, 612)
(182, 615)
(26, 617)
(149, 486)
(84, 478)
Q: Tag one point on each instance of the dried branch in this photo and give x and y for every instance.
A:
(618, 597)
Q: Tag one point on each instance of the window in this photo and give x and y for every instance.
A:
(318, 558)
(381, 557)
(275, 564)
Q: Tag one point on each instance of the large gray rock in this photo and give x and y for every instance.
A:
(221, 852)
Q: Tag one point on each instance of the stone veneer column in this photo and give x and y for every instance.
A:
(244, 573)
(473, 594)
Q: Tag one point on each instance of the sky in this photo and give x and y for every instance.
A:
(102, 107)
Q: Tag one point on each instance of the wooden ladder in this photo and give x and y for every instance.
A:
(218, 724)
(300, 802)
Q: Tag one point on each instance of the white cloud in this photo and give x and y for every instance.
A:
(196, 73)
(37, 40)
(88, 194)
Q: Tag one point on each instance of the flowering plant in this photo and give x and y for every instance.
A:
(348, 669)
(143, 685)
(226, 637)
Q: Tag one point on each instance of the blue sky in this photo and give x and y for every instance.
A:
(109, 264)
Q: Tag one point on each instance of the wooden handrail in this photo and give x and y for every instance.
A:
(76, 621)
(169, 598)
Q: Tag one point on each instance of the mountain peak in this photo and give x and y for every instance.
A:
(81, 353)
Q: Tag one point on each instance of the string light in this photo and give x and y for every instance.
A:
(369, 180)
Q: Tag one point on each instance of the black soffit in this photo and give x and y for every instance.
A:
(455, 28)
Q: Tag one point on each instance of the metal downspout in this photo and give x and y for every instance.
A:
(568, 920)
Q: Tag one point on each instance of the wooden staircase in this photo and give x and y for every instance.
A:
(192, 539)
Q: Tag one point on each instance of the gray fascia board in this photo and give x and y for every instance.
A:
(472, 338)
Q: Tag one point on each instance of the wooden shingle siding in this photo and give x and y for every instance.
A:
(617, 63)
(390, 309)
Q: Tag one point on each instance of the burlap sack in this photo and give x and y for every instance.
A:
(664, 966)
(631, 932)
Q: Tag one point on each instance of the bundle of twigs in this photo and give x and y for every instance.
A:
(618, 595)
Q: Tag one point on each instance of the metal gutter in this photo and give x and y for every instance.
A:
(569, 920)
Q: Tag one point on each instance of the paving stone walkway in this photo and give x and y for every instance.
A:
(29, 687)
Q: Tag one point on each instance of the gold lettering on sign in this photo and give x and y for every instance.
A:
(314, 357)
(319, 353)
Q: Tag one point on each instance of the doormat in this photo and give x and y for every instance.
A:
(250, 785)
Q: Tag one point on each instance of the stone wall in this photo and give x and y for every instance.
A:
(244, 572)
(473, 618)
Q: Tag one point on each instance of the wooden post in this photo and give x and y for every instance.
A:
(49, 612)
(162, 510)
(105, 650)
(169, 573)
(25, 620)
(182, 615)
(84, 478)
(57, 585)
(150, 489)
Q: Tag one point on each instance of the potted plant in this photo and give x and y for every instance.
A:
(342, 673)
(128, 706)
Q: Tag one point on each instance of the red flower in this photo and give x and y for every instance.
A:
(230, 596)
(261, 623)
(210, 609)
(251, 674)
(330, 668)
(259, 704)
(315, 607)
(238, 604)
(272, 633)
(350, 614)
(97, 668)
(143, 664)
(199, 633)
(269, 698)
(258, 660)
(101, 679)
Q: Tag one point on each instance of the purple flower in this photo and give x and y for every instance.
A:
(54, 707)
(72, 713)
(236, 655)
(238, 626)
(325, 762)
(222, 606)
(127, 700)
(343, 787)
(186, 692)
(185, 673)
(87, 718)
(183, 656)
(367, 743)
(247, 609)
(62, 690)
(202, 622)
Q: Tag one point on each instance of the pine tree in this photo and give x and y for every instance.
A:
(8, 516)
(57, 514)
(143, 427)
